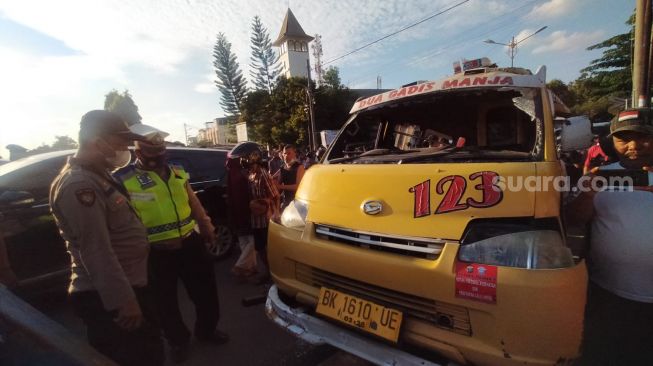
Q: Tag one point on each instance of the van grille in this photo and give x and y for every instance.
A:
(427, 248)
(446, 316)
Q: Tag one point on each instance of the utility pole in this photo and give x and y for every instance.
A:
(311, 115)
(641, 54)
(317, 56)
(513, 45)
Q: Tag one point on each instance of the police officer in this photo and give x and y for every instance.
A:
(108, 245)
(169, 209)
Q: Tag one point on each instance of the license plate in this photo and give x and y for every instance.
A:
(366, 315)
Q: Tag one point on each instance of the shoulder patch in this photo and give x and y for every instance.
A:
(85, 196)
(178, 170)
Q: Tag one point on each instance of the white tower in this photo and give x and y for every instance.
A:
(293, 43)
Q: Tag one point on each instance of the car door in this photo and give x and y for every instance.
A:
(37, 253)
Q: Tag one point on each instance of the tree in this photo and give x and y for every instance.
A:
(63, 143)
(611, 73)
(124, 105)
(60, 143)
(281, 117)
(332, 77)
(230, 83)
(559, 88)
(264, 61)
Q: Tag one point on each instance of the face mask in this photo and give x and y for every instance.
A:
(120, 160)
(155, 162)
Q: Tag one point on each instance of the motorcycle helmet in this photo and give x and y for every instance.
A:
(243, 149)
(248, 152)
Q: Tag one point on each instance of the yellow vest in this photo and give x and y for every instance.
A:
(162, 206)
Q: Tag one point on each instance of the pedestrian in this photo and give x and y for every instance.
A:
(291, 174)
(619, 310)
(264, 205)
(167, 206)
(595, 156)
(275, 162)
(108, 245)
(239, 213)
(310, 160)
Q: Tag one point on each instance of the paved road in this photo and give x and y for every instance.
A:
(255, 340)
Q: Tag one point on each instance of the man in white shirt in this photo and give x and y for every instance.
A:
(619, 312)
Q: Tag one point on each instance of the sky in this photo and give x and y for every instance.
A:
(60, 58)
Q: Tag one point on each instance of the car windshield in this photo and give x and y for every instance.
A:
(475, 125)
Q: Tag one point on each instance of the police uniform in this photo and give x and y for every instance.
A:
(169, 210)
(109, 251)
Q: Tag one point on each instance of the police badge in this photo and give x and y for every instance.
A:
(145, 180)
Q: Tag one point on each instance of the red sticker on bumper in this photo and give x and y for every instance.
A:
(476, 282)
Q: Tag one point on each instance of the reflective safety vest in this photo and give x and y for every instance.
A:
(162, 206)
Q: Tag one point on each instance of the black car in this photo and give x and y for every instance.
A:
(37, 253)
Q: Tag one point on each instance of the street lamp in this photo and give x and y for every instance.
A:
(512, 45)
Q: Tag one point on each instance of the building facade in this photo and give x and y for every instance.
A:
(216, 132)
(293, 47)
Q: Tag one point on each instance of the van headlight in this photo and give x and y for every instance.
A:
(294, 216)
(537, 249)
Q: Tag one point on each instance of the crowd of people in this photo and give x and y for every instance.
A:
(258, 191)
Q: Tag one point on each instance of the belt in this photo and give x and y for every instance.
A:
(169, 226)
(171, 244)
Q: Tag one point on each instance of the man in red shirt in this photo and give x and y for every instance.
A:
(595, 156)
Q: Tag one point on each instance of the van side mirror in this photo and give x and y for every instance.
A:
(16, 199)
(575, 133)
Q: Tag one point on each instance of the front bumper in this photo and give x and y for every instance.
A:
(316, 332)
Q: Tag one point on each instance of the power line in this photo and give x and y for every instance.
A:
(399, 31)
(452, 44)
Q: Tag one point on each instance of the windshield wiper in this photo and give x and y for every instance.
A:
(467, 153)
(436, 154)
(375, 152)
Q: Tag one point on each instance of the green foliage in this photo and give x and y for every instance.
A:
(124, 105)
(281, 117)
(332, 78)
(611, 73)
(60, 143)
(63, 143)
(562, 91)
(264, 59)
(599, 91)
(231, 83)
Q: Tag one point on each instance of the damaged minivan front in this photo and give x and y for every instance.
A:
(421, 238)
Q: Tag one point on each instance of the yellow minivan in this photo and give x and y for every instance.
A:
(431, 232)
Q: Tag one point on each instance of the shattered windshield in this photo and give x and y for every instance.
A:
(475, 125)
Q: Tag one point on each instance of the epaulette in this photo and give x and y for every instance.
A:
(178, 169)
(125, 172)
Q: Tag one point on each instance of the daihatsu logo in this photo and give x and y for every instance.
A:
(372, 207)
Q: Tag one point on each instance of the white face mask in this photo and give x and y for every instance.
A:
(122, 158)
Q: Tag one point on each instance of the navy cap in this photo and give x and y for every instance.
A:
(637, 120)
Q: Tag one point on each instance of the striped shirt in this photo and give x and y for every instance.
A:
(261, 187)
